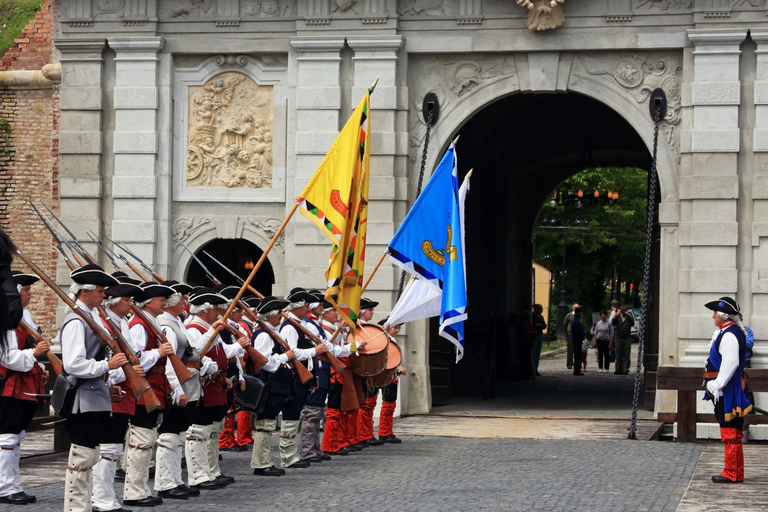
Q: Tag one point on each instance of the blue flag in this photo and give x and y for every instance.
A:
(429, 244)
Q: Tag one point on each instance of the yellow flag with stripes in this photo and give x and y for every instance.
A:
(336, 200)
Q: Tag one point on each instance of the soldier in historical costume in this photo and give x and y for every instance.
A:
(117, 305)
(724, 369)
(278, 378)
(202, 442)
(314, 410)
(389, 394)
(21, 374)
(184, 398)
(297, 310)
(365, 414)
(142, 433)
(84, 358)
(334, 440)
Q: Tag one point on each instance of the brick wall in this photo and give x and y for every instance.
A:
(29, 159)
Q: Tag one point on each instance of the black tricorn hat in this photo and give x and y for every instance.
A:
(318, 295)
(22, 279)
(230, 292)
(123, 290)
(272, 303)
(367, 303)
(327, 305)
(252, 301)
(300, 294)
(151, 289)
(725, 304)
(178, 287)
(93, 274)
(124, 278)
(203, 295)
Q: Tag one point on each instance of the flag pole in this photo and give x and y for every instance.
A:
(370, 276)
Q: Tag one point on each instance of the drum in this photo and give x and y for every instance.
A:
(371, 358)
(394, 358)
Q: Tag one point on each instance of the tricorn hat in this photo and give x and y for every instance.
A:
(252, 301)
(22, 279)
(725, 304)
(93, 274)
(203, 295)
(124, 278)
(367, 303)
(272, 303)
(230, 292)
(151, 289)
(123, 290)
(300, 294)
(178, 287)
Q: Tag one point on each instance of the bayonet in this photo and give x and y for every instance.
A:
(239, 279)
(130, 253)
(109, 254)
(56, 234)
(81, 249)
(208, 273)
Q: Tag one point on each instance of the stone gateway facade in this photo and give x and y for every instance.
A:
(201, 120)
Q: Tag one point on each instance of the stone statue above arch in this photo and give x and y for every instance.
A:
(544, 14)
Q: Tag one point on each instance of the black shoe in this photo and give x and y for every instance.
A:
(120, 474)
(719, 479)
(538, 374)
(301, 464)
(228, 448)
(190, 490)
(314, 459)
(240, 448)
(390, 439)
(225, 480)
(578, 374)
(177, 493)
(15, 499)
(359, 446)
(570, 367)
(121, 509)
(625, 373)
(373, 442)
(158, 499)
(149, 501)
(210, 485)
(270, 471)
(325, 456)
(617, 373)
(341, 451)
(221, 457)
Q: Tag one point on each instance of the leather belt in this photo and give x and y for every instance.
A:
(711, 375)
(104, 377)
(194, 364)
(158, 369)
(232, 360)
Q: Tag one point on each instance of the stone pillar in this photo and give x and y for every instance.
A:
(376, 57)
(759, 200)
(134, 186)
(81, 101)
(709, 186)
(317, 124)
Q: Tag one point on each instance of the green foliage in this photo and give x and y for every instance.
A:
(14, 16)
(615, 229)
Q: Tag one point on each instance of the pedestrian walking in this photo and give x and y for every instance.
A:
(622, 328)
(577, 336)
(538, 340)
(567, 323)
(603, 337)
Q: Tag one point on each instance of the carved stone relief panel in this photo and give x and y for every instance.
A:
(451, 78)
(187, 8)
(664, 5)
(639, 75)
(268, 8)
(229, 133)
(207, 9)
(427, 7)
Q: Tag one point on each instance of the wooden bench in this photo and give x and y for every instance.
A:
(687, 381)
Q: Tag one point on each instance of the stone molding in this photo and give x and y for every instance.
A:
(725, 37)
(307, 44)
(375, 43)
(81, 49)
(136, 44)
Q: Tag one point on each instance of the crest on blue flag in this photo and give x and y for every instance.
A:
(429, 244)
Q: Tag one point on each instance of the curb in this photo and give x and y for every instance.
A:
(553, 353)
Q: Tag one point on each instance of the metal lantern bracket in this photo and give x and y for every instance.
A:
(430, 105)
(658, 98)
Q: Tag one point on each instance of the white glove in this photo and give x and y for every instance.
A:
(176, 394)
(209, 366)
(714, 390)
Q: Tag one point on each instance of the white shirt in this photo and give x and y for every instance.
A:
(339, 348)
(73, 349)
(263, 342)
(729, 351)
(290, 334)
(139, 339)
(15, 359)
(198, 341)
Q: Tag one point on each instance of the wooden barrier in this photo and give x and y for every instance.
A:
(686, 381)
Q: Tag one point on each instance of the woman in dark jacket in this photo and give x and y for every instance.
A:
(577, 336)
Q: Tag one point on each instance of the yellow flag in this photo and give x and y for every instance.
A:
(336, 200)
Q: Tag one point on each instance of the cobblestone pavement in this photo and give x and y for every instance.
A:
(442, 474)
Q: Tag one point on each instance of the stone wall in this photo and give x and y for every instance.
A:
(29, 158)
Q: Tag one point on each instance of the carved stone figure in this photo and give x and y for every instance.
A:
(429, 7)
(665, 4)
(544, 14)
(186, 8)
(229, 139)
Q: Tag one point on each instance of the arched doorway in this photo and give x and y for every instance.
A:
(238, 255)
(521, 147)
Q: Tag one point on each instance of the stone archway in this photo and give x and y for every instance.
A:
(620, 82)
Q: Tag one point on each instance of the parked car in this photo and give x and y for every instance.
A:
(637, 315)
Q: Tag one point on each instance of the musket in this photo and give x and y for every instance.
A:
(132, 255)
(109, 254)
(334, 361)
(126, 347)
(257, 358)
(138, 384)
(56, 364)
(181, 370)
(80, 248)
(56, 234)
